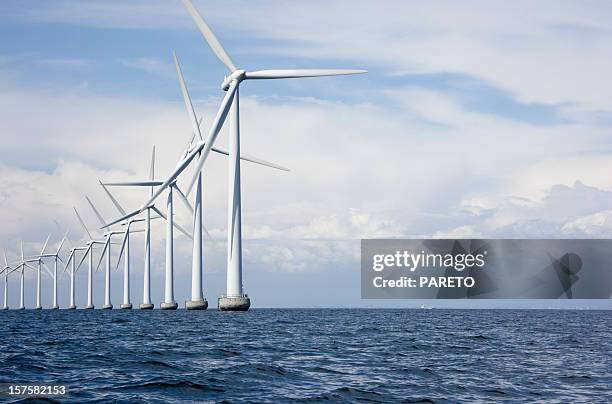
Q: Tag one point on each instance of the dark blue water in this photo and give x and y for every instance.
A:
(313, 355)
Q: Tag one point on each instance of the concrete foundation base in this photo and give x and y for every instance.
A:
(126, 306)
(5, 308)
(107, 307)
(241, 303)
(196, 304)
(71, 307)
(38, 308)
(89, 307)
(146, 306)
(55, 308)
(168, 306)
(21, 308)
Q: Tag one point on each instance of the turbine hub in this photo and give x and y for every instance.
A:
(237, 75)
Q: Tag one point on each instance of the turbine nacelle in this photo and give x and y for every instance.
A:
(237, 76)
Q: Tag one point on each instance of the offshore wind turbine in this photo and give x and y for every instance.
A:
(106, 249)
(38, 260)
(125, 246)
(55, 257)
(73, 269)
(6, 270)
(88, 254)
(21, 266)
(169, 303)
(235, 298)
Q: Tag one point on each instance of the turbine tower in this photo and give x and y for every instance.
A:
(55, 257)
(73, 269)
(88, 254)
(38, 260)
(235, 298)
(6, 270)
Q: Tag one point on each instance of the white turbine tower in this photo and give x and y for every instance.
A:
(21, 266)
(40, 264)
(106, 249)
(7, 269)
(73, 269)
(125, 246)
(56, 258)
(235, 298)
(169, 303)
(88, 254)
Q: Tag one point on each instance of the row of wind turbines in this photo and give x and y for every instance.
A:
(196, 153)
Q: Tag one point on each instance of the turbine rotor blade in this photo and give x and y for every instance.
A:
(212, 136)
(187, 99)
(88, 250)
(183, 198)
(126, 234)
(83, 223)
(45, 245)
(203, 147)
(179, 227)
(112, 198)
(98, 215)
(210, 37)
(121, 219)
(103, 251)
(134, 184)
(297, 73)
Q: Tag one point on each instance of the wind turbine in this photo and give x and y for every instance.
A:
(6, 270)
(169, 303)
(125, 246)
(38, 260)
(88, 254)
(21, 266)
(73, 269)
(106, 249)
(55, 257)
(235, 298)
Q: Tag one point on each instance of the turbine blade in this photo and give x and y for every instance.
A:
(152, 172)
(61, 229)
(183, 198)
(45, 245)
(207, 147)
(251, 159)
(123, 243)
(210, 37)
(70, 257)
(46, 268)
(61, 244)
(102, 254)
(297, 73)
(5, 259)
(187, 99)
(179, 228)
(203, 147)
(82, 223)
(134, 184)
(98, 215)
(121, 219)
(21, 245)
(112, 198)
(88, 250)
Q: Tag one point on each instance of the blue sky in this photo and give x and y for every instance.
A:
(475, 120)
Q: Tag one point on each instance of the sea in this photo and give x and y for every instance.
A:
(312, 355)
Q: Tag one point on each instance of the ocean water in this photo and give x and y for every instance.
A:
(313, 355)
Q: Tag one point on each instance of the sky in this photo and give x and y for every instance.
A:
(476, 119)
